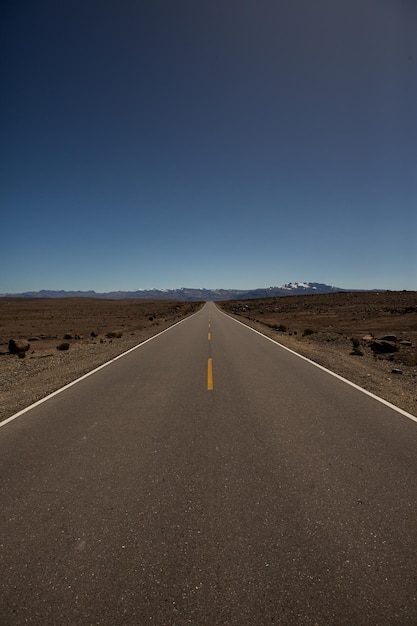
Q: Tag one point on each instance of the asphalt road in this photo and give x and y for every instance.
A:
(209, 477)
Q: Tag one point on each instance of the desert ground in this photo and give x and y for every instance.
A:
(68, 337)
(369, 338)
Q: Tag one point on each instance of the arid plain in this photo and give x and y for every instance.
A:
(369, 338)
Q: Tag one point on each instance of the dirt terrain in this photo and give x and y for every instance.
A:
(369, 338)
(68, 337)
(44, 322)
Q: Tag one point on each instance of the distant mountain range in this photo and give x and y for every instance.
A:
(188, 294)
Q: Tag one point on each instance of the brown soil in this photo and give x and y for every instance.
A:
(339, 330)
(99, 330)
(46, 321)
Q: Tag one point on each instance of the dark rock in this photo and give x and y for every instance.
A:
(389, 338)
(383, 347)
(405, 342)
(396, 371)
(68, 336)
(18, 346)
(93, 334)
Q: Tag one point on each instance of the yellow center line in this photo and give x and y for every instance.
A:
(209, 336)
(210, 375)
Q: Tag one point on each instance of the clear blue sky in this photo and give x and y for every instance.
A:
(208, 143)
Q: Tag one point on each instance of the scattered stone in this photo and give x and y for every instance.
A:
(405, 342)
(18, 346)
(389, 338)
(93, 334)
(396, 371)
(383, 347)
(67, 336)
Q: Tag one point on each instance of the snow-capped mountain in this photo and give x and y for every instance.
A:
(298, 286)
(188, 293)
(310, 288)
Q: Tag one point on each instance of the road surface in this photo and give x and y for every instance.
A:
(209, 477)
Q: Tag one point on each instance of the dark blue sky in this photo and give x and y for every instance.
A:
(217, 143)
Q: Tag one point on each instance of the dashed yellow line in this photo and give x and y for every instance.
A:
(210, 375)
(209, 336)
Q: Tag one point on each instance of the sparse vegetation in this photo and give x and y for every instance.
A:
(308, 331)
(114, 334)
(356, 350)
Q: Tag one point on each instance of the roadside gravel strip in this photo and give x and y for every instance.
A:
(24, 382)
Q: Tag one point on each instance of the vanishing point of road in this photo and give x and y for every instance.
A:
(207, 477)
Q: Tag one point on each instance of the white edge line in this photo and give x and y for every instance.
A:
(77, 380)
(321, 367)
